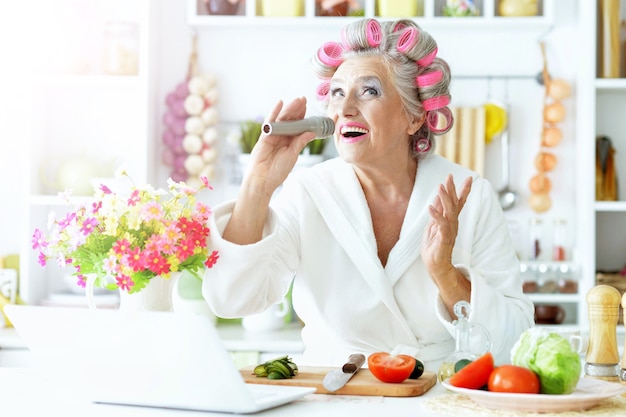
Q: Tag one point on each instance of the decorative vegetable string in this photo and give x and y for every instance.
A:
(553, 113)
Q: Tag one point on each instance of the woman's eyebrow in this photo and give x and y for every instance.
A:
(361, 80)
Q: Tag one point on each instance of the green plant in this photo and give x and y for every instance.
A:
(316, 147)
(250, 132)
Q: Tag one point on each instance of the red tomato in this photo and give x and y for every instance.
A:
(475, 375)
(511, 378)
(388, 368)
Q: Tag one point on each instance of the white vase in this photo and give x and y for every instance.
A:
(187, 297)
(156, 296)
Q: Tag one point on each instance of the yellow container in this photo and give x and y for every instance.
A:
(282, 8)
(399, 8)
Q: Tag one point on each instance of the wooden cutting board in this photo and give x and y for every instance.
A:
(362, 383)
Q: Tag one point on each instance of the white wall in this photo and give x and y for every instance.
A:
(260, 65)
(15, 39)
(257, 66)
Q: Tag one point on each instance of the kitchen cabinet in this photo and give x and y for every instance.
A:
(605, 106)
(601, 104)
(91, 108)
(428, 11)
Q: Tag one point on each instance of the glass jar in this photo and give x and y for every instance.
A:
(121, 48)
(535, 239)
(559, 240)
(471, 341)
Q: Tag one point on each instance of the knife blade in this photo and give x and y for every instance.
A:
(337, 378)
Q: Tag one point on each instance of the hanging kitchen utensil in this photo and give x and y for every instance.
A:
(500, 120)
(506, 196)
(496, 117)
(495, 120)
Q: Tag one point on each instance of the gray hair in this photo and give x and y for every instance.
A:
(405, 63)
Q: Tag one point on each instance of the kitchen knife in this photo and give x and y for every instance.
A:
(337, 378)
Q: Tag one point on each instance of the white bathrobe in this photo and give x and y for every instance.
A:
(319, 233)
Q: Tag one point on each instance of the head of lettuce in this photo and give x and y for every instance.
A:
(551, 357)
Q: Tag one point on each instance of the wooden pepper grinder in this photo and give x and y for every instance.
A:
(622, 374)
(602, 360)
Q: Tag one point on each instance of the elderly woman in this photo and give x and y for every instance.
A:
(384, 240)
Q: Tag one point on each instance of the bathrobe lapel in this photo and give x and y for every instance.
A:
(346, 214)
(409, 245)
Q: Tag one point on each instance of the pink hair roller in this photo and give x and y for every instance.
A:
(428, 59)
(330, 54)
(322, 91)
(407, 40)
(344, 40)
(374, 33)
(422, 145)
(429, 78)
(436, 103)
(432, 120)
(398, 27)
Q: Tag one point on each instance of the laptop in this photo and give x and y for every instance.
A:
(153, 359)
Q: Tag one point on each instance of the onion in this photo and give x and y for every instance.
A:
(540, 202)
(540, 183)
(554, 112)
(559, 89)
(551, 136)
(545, 161)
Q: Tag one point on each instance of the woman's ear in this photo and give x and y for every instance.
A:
(415, 123)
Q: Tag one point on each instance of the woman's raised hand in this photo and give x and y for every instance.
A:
(274, 156)
(441, 232)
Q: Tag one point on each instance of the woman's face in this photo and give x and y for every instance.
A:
(372, 124)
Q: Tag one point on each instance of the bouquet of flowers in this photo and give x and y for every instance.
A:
(125, 241)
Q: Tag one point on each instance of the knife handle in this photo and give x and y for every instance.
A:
(355, 361)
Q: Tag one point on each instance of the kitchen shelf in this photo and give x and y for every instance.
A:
(554, 298)
(55, 200)
(610, 84)
(610, 206)
(431, 17)
(96, 81)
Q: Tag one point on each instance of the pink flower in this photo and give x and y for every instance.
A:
(38, 240)
(203, 211)
(134, 199)
(124, 282)
(171, 233)
(67, 221)
(110, 264)
(95, 207)
(212, 259)
(184, 249)
(156, 263)
(41, 260)
(88, 225)
(136, 259)
(152, 211)
(105, 189)
(121, 247)
(205, 181)
(82, 281)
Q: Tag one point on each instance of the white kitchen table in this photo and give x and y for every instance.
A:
(30, 392)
